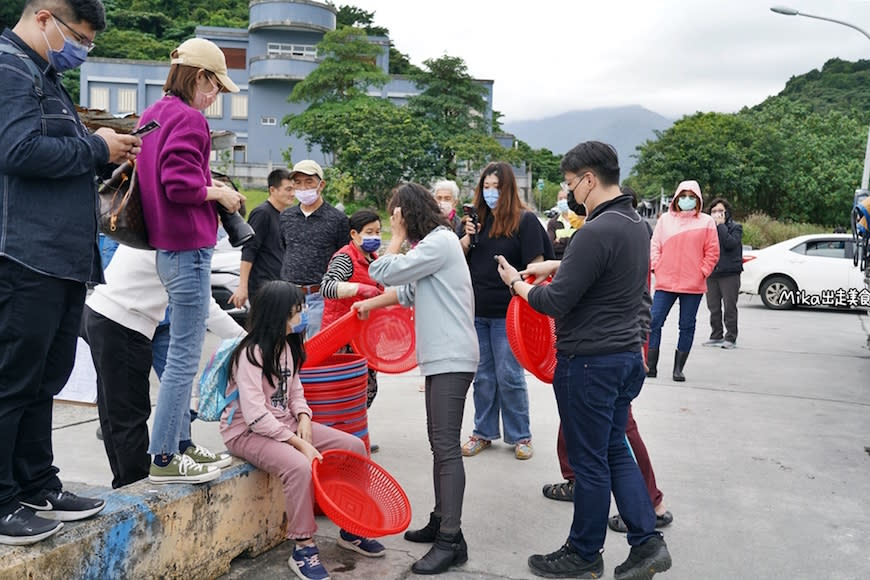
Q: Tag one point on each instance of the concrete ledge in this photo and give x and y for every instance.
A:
(161, 531)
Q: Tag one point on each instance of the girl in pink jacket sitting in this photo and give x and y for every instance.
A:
(683, 252)
(271, 427)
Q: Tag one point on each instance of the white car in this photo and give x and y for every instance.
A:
(814, 270)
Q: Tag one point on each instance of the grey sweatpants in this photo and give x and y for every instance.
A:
(722, 295)
(445, 404)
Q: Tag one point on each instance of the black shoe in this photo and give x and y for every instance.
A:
(566, 563)
(447, 551)
(374, 448)
(644, 561)
(23, 527)
(426, 534)
(617, 524)
(63, 505)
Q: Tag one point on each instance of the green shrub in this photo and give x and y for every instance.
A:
(760, 230)
(254, 197)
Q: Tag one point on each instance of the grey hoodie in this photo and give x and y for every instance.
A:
(433, 277)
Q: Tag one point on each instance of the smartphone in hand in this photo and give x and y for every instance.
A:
(149, 127)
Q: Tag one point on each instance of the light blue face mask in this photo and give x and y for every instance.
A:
(71, 55)
(562, 204)
(490, 196)
(687, 203)
(303, 323)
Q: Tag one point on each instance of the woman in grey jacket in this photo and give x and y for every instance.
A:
(434, 278)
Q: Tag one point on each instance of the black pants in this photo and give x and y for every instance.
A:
(39, 323)
(722, 295)
(445, 404)
(122, 358)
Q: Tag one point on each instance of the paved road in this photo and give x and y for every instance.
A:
(760, 455)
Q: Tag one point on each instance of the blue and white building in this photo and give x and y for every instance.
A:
(266, 60)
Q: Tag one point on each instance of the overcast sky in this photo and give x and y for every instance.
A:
(674, 57)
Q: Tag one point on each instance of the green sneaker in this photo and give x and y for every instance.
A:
(204, 456)
(182, 469)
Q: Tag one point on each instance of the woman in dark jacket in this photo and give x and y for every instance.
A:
(724, 283)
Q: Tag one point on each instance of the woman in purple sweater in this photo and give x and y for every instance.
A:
(179, 204)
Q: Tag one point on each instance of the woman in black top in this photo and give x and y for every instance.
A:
(723, 284)
(508, 229)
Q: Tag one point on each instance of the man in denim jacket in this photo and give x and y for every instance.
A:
(48, 252)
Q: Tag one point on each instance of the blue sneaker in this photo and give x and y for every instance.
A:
(360, 545)
(305, 562)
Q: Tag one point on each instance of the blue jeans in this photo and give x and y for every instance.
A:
(159, 352)
(314, 302)
(593, 394)
(661, 306)
(499, 386)
(186, 277)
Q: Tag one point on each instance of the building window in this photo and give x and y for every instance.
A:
(99, 98)
(240, 154)
(127, 100)
(303, 51)
(216, 110)
(239, 106)
(269, 121)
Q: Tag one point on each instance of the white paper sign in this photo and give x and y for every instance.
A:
(82, 384)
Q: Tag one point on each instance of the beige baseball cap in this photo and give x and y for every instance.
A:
(202, 53)
(308, 167)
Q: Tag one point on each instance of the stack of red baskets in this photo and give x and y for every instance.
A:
(336, 392)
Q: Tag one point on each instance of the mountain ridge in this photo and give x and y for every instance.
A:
(624, 127)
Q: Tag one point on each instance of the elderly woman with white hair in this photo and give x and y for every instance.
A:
(446, 193)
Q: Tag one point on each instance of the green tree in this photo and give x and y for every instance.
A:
(10, 12)
(348, 69)
(371, 140)
(717, 150)
(131, 44)
(400, 64)
(818, 162)
(453, 106)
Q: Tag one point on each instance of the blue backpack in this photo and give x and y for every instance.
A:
(213, 382)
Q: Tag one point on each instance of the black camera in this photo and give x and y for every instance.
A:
(469, 211)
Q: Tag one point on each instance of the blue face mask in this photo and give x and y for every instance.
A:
(562, 204)
(490, 196)
(687, 203)
(303, 323)
(370, 244)
(71, 55)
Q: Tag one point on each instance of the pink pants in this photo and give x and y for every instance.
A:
(284, 461)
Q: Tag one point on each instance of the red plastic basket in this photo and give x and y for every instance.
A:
(323, 345)
(387, 340)
(532, 338)
(359, 495)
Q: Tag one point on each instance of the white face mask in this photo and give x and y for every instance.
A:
(446, 207)
(306, 196)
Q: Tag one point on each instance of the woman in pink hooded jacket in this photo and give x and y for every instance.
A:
(683, 252)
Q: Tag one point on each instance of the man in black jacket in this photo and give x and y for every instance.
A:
(723, 285)
(48, 252)
(600, 301)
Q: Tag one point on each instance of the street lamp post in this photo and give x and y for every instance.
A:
(785, 10)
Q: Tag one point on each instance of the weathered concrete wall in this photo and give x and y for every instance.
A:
(161, 531)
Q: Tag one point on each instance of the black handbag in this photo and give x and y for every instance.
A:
(121, 216)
